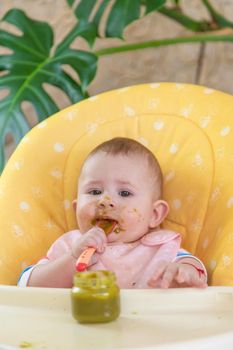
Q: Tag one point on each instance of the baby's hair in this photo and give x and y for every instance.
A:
(126, 146)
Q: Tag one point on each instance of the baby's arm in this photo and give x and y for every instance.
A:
(56, 273)
(185, 271)
(59, 272)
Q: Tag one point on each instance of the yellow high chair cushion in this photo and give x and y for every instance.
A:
(189, 128)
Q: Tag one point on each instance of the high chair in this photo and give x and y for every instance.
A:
(188, 127)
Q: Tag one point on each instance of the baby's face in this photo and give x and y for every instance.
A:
(118, 188)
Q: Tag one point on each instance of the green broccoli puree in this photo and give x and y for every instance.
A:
(95, 300)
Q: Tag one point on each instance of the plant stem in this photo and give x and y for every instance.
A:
(185, 21)
(226, 36)
(219, 20)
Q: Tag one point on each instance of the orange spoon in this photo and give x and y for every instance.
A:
(84, 259)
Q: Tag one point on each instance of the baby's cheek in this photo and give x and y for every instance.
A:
(85, 216)
(132, 214)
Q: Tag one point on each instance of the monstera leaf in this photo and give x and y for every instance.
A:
(122, 13)
(31, 64)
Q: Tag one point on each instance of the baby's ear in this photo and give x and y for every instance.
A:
(74, 203)
(160, 211)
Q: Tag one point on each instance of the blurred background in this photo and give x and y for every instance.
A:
(206, 63)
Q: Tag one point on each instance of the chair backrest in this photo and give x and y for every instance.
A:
(188, 127)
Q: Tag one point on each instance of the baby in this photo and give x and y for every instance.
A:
(120, 181)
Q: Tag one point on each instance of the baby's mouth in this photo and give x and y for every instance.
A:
(107, 224)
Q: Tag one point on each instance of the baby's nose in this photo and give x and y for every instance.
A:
(106, 202)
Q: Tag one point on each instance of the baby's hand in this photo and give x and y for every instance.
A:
(177, 274)
(94, 238)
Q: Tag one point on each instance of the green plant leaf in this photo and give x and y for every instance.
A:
(83, 10)
(70, 2)
(122, 13)
(152, 5)
(99, 12)
(31, 64)
(176, 2)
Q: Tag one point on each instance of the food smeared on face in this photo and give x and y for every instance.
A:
(107, 225)
(107, 198)
(117, 230)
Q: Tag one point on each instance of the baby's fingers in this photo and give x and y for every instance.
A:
(97, 243)
(96, 238)
(190, 277)
(198, 280)
(100, 247)
(169, 275)
(94, 259)
(183, 278)
(154, 281)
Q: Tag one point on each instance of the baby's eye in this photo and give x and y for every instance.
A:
(95, 192)
(125, 193)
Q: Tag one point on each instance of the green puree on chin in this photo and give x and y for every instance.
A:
(95, 297)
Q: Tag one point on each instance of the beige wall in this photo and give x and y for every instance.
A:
(181, 63)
